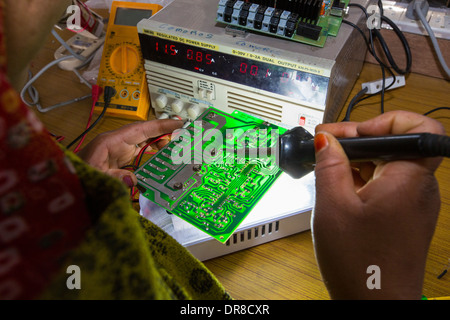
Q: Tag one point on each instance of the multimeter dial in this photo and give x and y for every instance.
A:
(124, 60)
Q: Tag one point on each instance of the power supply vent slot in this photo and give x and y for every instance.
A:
(259, 108)
(264, 230)
(170, 83)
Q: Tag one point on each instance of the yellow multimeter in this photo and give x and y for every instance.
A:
(122, 65)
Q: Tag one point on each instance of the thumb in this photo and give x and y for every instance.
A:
(333, 173)
(127, 177)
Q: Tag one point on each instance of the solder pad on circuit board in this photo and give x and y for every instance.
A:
(203, 176)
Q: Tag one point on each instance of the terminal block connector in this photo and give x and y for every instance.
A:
(243, 14)
(308, 30)
(259, 17)
(228, 12)
(299, 20)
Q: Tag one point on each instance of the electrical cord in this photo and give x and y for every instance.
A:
(436, 109)
(445, 270)
(369, 43)
(385, 49)
(371, 49)
(34, 94)
(433, 39)
(108, 94)
(375, 34)
(68, 48)
(96, 92)
(137, 161)
(353, 102)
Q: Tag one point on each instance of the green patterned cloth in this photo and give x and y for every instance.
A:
(125, 256)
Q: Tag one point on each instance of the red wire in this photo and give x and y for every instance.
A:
(96, 91)
(133, 190)
(147, 145)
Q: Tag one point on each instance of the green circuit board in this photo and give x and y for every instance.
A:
(204, 175)
(306, 21)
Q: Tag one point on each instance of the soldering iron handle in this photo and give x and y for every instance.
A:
(297, 155)
(396, 147)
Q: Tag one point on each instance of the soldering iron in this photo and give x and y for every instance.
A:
(296, 153)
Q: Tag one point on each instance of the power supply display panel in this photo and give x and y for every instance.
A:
(205, 176)
(305, 21)
(261, 73)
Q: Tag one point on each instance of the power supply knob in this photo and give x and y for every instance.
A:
(161, 101)
(177, 106)
(193, 111)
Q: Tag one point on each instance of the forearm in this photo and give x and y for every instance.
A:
(24, 40)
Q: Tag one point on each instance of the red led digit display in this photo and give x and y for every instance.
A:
(254, 73)
(198, 56)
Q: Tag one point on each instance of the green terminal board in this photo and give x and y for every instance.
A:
(205, 176)
(309, 21)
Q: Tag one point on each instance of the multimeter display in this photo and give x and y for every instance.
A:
(130, 17)
(257, 74)
(122, 65)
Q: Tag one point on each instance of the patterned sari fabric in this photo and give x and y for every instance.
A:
(68, 231)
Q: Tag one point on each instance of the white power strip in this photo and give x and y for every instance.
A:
(376, 86)
(81, 45)
(438, 18)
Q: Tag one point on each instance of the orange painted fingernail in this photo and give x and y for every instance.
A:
(320, 141)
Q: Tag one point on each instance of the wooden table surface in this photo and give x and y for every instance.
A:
(285, 268)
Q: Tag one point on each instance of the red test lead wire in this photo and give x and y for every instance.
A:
(96, 93)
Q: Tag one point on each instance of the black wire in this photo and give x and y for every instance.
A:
(353, 103)
(137, 160)
(109, 93)
(380, 5)
(404, 42)
(383, 88)
(442, 274)
(138, 163)
(129, 166)
(90, 127)
(436, 109)
(370, 48)
(376, 34)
